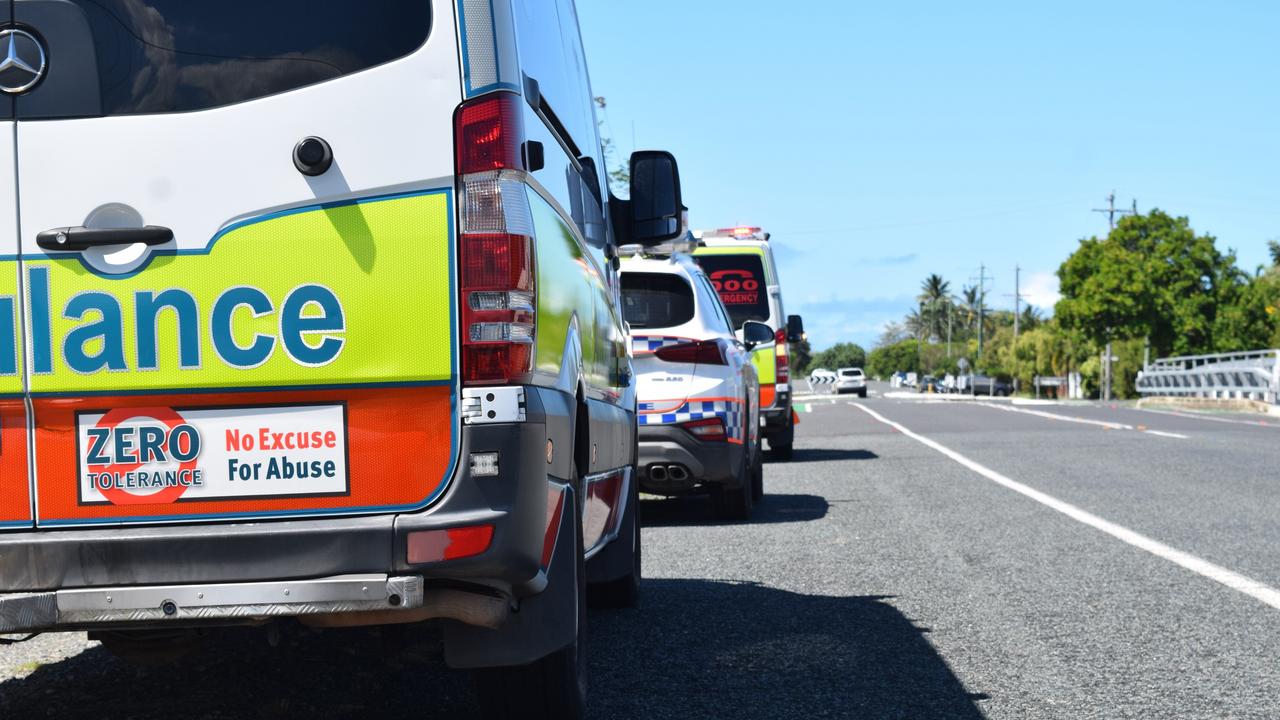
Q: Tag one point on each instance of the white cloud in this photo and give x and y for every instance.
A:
(1041, 289)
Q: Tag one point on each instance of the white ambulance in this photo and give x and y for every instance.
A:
(308, 316)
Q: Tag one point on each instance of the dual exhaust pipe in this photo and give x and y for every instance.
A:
(664, 473)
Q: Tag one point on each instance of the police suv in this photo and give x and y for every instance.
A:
(699, 396)
(308, 310)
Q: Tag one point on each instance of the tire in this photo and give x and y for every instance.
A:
(554, 687)
(625, 591)
(757, 475)
(862, 393)
(780, 444)
(735, 503)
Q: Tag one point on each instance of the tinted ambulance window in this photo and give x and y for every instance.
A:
(156, 56)
(656, 300)
(741, 283)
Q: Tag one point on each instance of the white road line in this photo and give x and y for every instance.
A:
(1086, 421)
(1064, 418)
(1253, 588)
(1201, 416)
(1161, 433)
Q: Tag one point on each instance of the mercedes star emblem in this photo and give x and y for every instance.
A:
(24, 64)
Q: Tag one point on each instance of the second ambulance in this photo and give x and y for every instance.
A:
(740, 265)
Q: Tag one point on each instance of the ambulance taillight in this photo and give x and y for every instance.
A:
(495, 244)
(783, 360)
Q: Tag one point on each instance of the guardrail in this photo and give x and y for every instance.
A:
(1253, 375)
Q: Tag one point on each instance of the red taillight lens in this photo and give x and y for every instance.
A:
(497, 262)
(496, 250)
(489, 134)
(438, 545)
(782, 363)
(706, 429)
(705, 352)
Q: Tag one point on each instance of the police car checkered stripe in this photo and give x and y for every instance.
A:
(650, 343)
(728, 411)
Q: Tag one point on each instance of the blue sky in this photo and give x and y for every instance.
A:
(881, 142)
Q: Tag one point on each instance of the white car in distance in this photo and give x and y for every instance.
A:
(851, 380)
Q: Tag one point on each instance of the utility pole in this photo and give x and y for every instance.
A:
(1017, 301)
(1017, 316)
(920, 340)
(1112, 212)
(982, 304)
(951, 313)
(1106, 374)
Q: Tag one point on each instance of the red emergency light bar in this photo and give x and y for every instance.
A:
(740, 233)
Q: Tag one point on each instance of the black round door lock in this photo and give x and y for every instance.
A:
(312, 156)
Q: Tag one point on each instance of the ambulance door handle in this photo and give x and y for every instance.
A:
(83, 238)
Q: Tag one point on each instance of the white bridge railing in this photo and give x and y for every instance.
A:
(1253, 375)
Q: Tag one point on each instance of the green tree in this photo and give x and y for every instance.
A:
(935, 304)
(902, 356)
(801, 356)
(893, 332)
(1030, 318)
(1152, 276)
(840, 355)
(1249, 319)
(967, 312)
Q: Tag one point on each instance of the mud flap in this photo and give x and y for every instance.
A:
(615, 560)
(544, 623)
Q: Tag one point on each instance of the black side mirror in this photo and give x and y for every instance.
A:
(795, 328)
(655, 198)
(756, 333)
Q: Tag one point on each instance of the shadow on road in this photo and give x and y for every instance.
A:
(236, 674)
(696, 510)
(695, 649)
(806, 455)
(704, 649)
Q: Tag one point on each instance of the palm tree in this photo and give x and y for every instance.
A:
(969, 308)
(933, 289)
(935, 297)
(1030, 318)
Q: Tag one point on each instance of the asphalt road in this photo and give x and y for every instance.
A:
(881, 578)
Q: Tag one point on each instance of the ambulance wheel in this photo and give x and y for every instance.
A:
(780, 444)
(554, 687)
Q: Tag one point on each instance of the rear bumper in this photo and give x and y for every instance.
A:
(706, 462)
(345, 565)
(776, 419)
